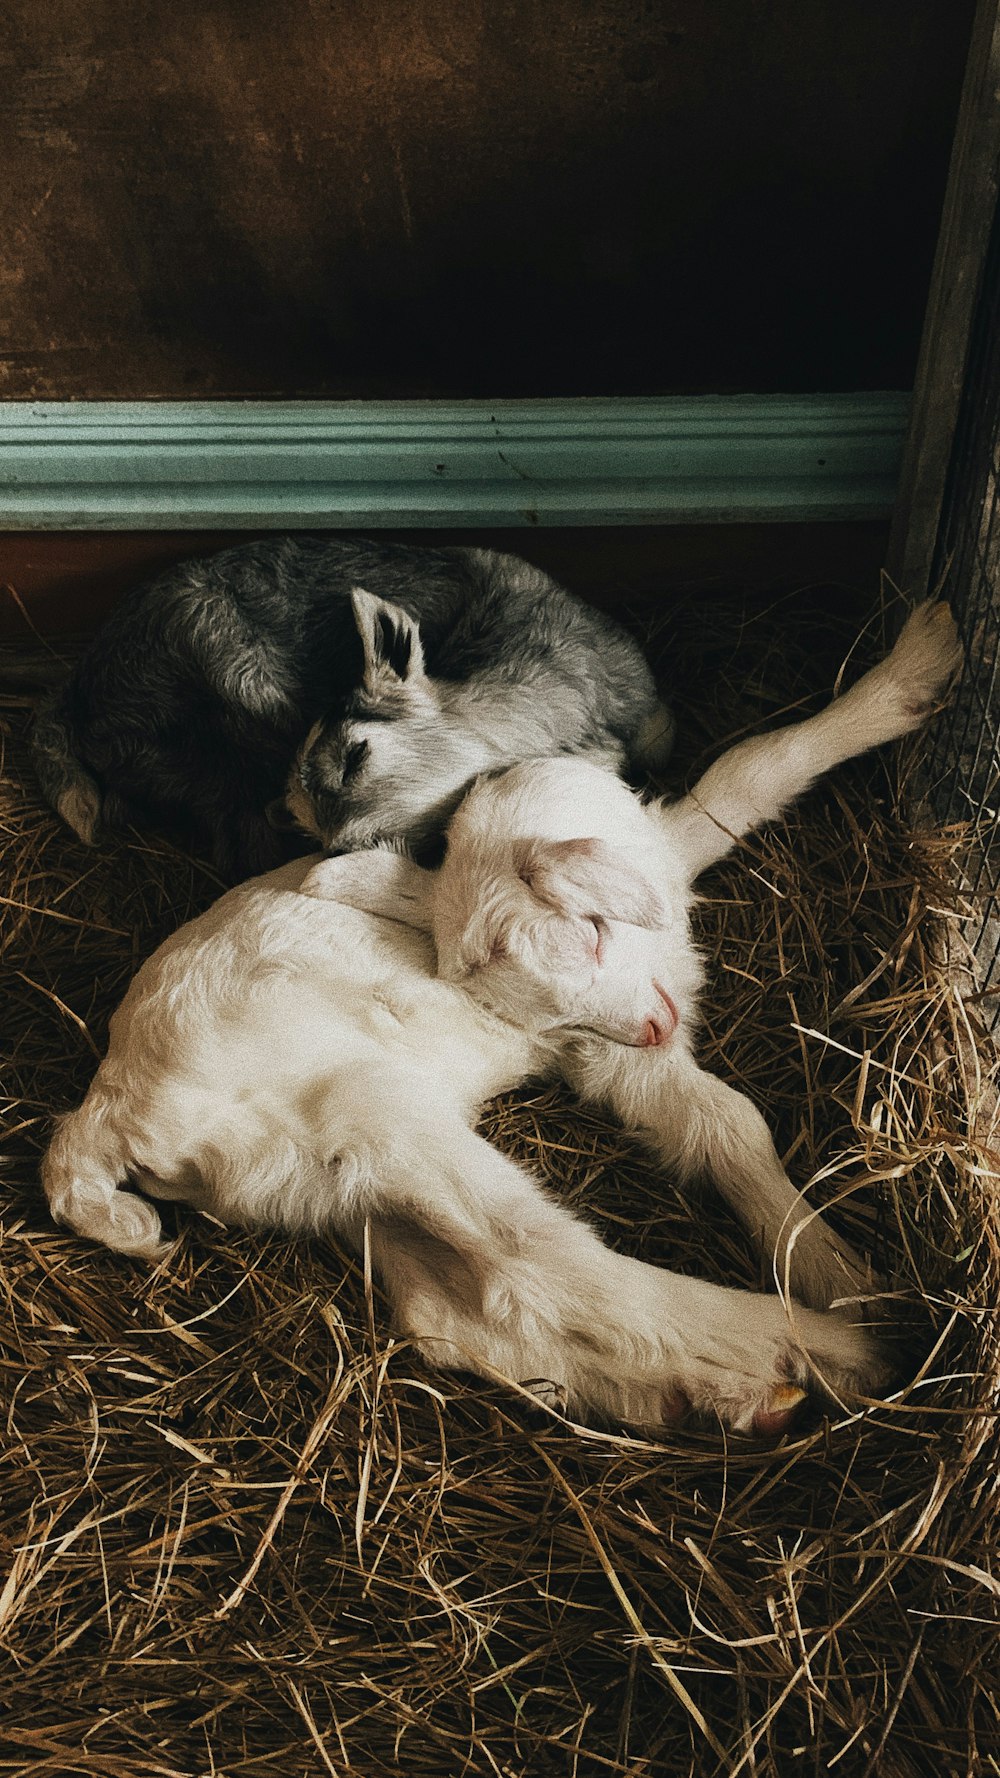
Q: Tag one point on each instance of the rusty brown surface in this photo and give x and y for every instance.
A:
(469, 197)
(57, 585)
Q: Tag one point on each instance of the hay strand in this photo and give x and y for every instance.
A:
(246, 1533)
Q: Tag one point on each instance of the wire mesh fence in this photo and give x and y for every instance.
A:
(964, 760)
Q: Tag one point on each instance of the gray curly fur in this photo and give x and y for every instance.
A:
(189, 707)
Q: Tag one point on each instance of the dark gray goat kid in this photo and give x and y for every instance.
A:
(360, 685)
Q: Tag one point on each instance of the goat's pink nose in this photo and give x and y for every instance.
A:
(669, 1018)
(653, 1034)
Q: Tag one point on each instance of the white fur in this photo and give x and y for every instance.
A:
(291, 1059)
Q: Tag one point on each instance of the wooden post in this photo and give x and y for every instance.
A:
(966, 219)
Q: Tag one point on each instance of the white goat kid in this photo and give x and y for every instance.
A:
(289, 1060)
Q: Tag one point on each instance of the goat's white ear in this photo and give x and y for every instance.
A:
(591, 879)
(390, 639)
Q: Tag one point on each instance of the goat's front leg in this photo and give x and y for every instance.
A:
(487, 1273)
(701, 1126)
(752, 783)
(375, 882)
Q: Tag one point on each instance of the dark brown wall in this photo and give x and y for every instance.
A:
(376, 197)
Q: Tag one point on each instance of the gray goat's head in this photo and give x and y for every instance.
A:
(394, 765)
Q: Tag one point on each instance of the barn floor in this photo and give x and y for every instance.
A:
(246, 1534)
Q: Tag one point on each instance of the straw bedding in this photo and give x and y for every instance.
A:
(246, 1534)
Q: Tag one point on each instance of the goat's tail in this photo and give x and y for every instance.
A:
(64, 780)
(653, 741)
(83, 1174)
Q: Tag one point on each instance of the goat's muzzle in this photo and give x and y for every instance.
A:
(660, 1030)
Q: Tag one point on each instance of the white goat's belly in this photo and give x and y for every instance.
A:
(267, 1021)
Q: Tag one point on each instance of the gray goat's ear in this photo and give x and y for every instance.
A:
(390, 639)
(589, 878)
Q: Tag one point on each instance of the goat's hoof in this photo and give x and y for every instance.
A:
(775, 1418)
(547, 1394)
(926, 659)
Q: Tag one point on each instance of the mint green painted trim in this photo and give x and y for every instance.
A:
(673, 460)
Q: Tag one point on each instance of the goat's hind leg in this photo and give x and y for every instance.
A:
(487, 1273)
